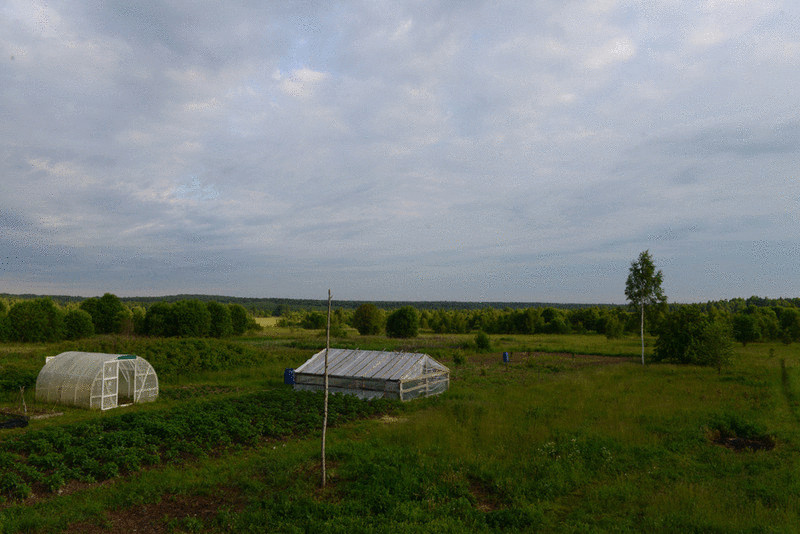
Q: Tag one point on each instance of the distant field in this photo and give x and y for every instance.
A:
(267, 321)
(573, 436)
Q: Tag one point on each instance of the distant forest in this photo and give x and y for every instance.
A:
(276, 307)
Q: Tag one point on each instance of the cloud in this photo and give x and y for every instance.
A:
(301, 83)
(508, 152)
(614, 51)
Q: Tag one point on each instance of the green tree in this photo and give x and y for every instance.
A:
(221, 322)
(403, 323)
(368, 319)
(746, 328)
(108, 313)
(34, 320)
(78, 324)
(314, 320)
(159, 320)
(239, 319)
(612, 326)
(688, 335)
(790, 324)
(138, 317)
(191, 318)
(643, 288)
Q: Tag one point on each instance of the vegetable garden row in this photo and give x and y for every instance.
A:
(48, 459)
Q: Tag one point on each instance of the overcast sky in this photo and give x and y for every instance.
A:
(415, 150)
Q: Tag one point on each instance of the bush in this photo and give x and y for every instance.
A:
(687, 335)
(221, 322)
(34, 320)
(159, 320)
(612, 327)
(108, 313)
(368, 319)
(191, 318)
(138, 317)
(403, 323)
(314, 321)
(746, 328)
(239, 319)
(13, 378)
(482, 341)
(78, 324)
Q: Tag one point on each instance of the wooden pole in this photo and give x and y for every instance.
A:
(325, 409)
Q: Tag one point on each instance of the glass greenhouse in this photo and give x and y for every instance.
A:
(96, 380)
(374, 374)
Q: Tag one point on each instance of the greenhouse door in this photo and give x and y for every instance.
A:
(110, 385)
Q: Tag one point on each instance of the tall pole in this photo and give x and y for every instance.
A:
(325, 409)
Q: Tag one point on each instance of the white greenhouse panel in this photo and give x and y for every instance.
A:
(374, 374)
(96, 380)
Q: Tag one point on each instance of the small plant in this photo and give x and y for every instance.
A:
(482, 341)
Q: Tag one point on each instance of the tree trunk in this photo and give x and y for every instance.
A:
(642, 330)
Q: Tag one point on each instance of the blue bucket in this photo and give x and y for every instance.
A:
(506, 357)
(288, 376)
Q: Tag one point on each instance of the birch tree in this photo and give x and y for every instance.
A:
(643, 287)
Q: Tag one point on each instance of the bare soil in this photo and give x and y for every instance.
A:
(165, 515)
(764, 443)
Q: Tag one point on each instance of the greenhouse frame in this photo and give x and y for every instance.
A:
(96, 380)
(372, 374)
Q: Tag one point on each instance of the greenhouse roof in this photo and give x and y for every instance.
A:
(372, 364)
(96, 380)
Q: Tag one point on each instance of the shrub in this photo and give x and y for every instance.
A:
(368, 319)
(192, 318)
(239, 319)
(613, 327)
(34, 320)
(314, 320)
(482, 341)
(746, 328)
(13, 378)
(687, 335)
(221, 322)
(78, 324)
(108, 313)
(138, 316)
(403, 323)
(159, 321)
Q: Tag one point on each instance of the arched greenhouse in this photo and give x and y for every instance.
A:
(96, 380)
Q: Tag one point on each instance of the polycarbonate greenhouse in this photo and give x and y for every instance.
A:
(96, 380)
(374, 374)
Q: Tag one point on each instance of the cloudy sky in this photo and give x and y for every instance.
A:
(414, 150)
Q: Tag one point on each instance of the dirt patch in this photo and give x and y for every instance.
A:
(485, 497)
(763, 443)
(171, 513)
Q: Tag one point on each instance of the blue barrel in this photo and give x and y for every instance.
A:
(288, 376)
(506, 357)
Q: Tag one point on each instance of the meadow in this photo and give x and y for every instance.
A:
(574, 435)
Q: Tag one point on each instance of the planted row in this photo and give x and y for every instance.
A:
(48, 459)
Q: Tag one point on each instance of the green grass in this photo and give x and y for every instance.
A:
(549, 443)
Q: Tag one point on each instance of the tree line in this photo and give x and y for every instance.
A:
(750, 324)
(42, 320)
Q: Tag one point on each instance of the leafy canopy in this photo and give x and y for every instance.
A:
(403, 323)
(643, 287)
(368, 319)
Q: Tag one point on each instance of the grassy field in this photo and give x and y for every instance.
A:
(573, 436)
